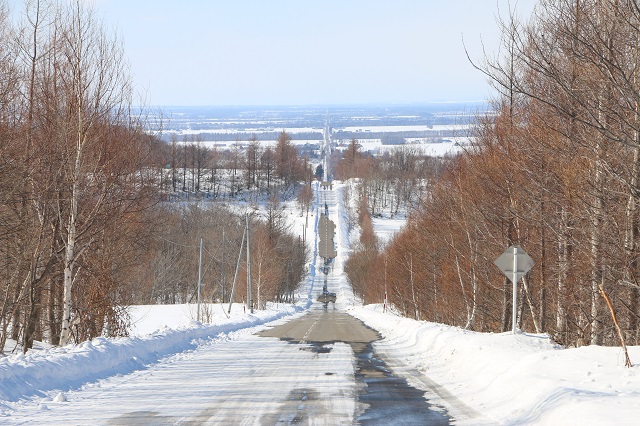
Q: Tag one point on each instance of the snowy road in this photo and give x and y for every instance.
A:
(246, 380)
(382, 397)
(316, 369)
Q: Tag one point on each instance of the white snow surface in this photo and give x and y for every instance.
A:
(451, 146)
(387, 227)
(480, 378)
(388, 129)
(48, 371)
(513, 379)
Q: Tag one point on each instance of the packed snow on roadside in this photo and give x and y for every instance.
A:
(159, 331)
(514, 378)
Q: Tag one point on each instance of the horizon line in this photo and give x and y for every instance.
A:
(324, 105)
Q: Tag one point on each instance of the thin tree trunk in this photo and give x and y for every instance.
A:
(70, 252)
(416, 311)
(534, 316)
(596, 241)
(463, 291)
(563, 266)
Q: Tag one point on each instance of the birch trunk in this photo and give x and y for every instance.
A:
(596, 222)
(70, 244)
(563, 267)
(94, 91)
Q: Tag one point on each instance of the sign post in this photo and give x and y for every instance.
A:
(514, 263)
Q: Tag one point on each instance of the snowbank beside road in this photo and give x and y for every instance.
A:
(515, 379)
(69, 367)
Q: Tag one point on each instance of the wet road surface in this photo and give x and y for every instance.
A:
(383, 397)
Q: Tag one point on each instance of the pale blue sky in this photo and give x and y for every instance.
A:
(267, 52)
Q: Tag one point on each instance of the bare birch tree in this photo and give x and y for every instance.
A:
(94, 89)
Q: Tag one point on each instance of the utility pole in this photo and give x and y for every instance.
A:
(223, 269)
(249, 292)
(514, 281)
(384, 305)
(235, 277)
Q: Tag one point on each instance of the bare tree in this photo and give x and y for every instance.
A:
(93, 89)
(253, 155)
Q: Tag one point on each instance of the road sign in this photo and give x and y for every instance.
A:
(514, 255)
(514, 263)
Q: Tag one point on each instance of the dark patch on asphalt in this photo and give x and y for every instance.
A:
(142, 418)
(316, 347)
(390, 399)
(295, 409)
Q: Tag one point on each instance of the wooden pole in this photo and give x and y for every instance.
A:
(627, 362)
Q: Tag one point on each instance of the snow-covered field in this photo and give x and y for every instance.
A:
(386, 227)
(449, 145)
(462, 128)
(480, 378)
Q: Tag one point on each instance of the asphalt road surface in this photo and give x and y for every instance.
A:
(382, 398)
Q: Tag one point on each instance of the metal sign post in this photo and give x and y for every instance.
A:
(514, 263)
(249, 289)
(199, 280)
(514, 280)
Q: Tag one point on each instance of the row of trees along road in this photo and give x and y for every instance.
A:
(556, 170)
(83, 231)
(249, 167)
(278, 258)
(72, 177)
(393, 183)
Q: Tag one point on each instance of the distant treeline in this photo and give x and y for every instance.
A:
(394, 136)
(247, 118)
(245, 136)
(341, 134)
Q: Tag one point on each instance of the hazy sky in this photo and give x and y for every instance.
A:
(267, 52)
